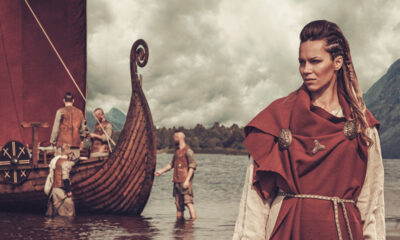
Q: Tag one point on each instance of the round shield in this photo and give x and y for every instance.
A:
(13, 155)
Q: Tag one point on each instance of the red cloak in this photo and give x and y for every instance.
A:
(337, 171)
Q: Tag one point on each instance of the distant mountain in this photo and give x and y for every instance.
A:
(90, 120)
(115, 116)
(383, 100)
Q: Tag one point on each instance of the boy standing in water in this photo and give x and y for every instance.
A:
(58, 184)
(184, 166)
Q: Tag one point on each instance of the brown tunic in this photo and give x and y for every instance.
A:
(58, 183)
(180, 165)
(101, 145)
(190, 162)
(70, 124)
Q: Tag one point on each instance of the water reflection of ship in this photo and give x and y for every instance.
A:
(43, 55)
(138, 227)
(99, 227)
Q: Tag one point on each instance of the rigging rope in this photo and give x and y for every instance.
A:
(109, 139)
(55, 50)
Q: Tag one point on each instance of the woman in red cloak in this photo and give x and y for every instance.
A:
(317, 170)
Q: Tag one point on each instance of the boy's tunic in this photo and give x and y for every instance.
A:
(181, 162)
(59, 204)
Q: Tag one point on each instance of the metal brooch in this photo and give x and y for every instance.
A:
(285, 138)
(317, 147)
(350, 130)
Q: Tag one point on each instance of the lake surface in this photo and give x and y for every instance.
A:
(218, 185)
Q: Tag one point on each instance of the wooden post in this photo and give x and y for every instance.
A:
(35, 140)
(45, 157)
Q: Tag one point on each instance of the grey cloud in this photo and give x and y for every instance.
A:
(364, 25)
(223, 60)
(397, 27)
(99, 14)
(190, 65)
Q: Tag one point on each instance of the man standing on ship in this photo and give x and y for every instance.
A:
(68, 127)
(184, 165)
(101, 137)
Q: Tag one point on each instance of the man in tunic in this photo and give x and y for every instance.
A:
(58, 185)
(184, 165)
(101, 136)
(68, 127)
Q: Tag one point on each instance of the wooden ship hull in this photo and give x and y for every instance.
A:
(120, 183)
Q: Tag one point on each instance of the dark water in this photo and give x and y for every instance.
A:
(392, 198)
(217, 188)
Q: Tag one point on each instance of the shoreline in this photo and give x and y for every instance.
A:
(224, 151)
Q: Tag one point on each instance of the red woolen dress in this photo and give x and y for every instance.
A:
(323, 160)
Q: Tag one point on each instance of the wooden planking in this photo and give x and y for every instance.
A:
(140, 195)
(107, 193)
(144, 194)
(118, 173)
(116, 163)
(134, 193)
(119, 184)
(115, 198)
(106, 175)
(112, 163)
(152, 167)
(111, 191)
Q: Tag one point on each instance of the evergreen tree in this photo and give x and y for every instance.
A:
(204, 139)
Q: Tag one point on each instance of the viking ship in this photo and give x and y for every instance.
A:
(43, 55)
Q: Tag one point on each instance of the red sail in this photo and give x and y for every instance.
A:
(33, 80)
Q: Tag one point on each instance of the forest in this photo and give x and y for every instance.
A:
(215, 139)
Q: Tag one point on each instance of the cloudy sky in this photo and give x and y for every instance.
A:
(224, 60)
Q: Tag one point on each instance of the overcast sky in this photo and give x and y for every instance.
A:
(224, 60)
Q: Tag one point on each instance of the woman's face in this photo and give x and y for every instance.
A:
(316, 66)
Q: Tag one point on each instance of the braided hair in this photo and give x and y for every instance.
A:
(337, 45)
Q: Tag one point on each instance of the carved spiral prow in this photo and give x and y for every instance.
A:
(122, 183)
(139, 57)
